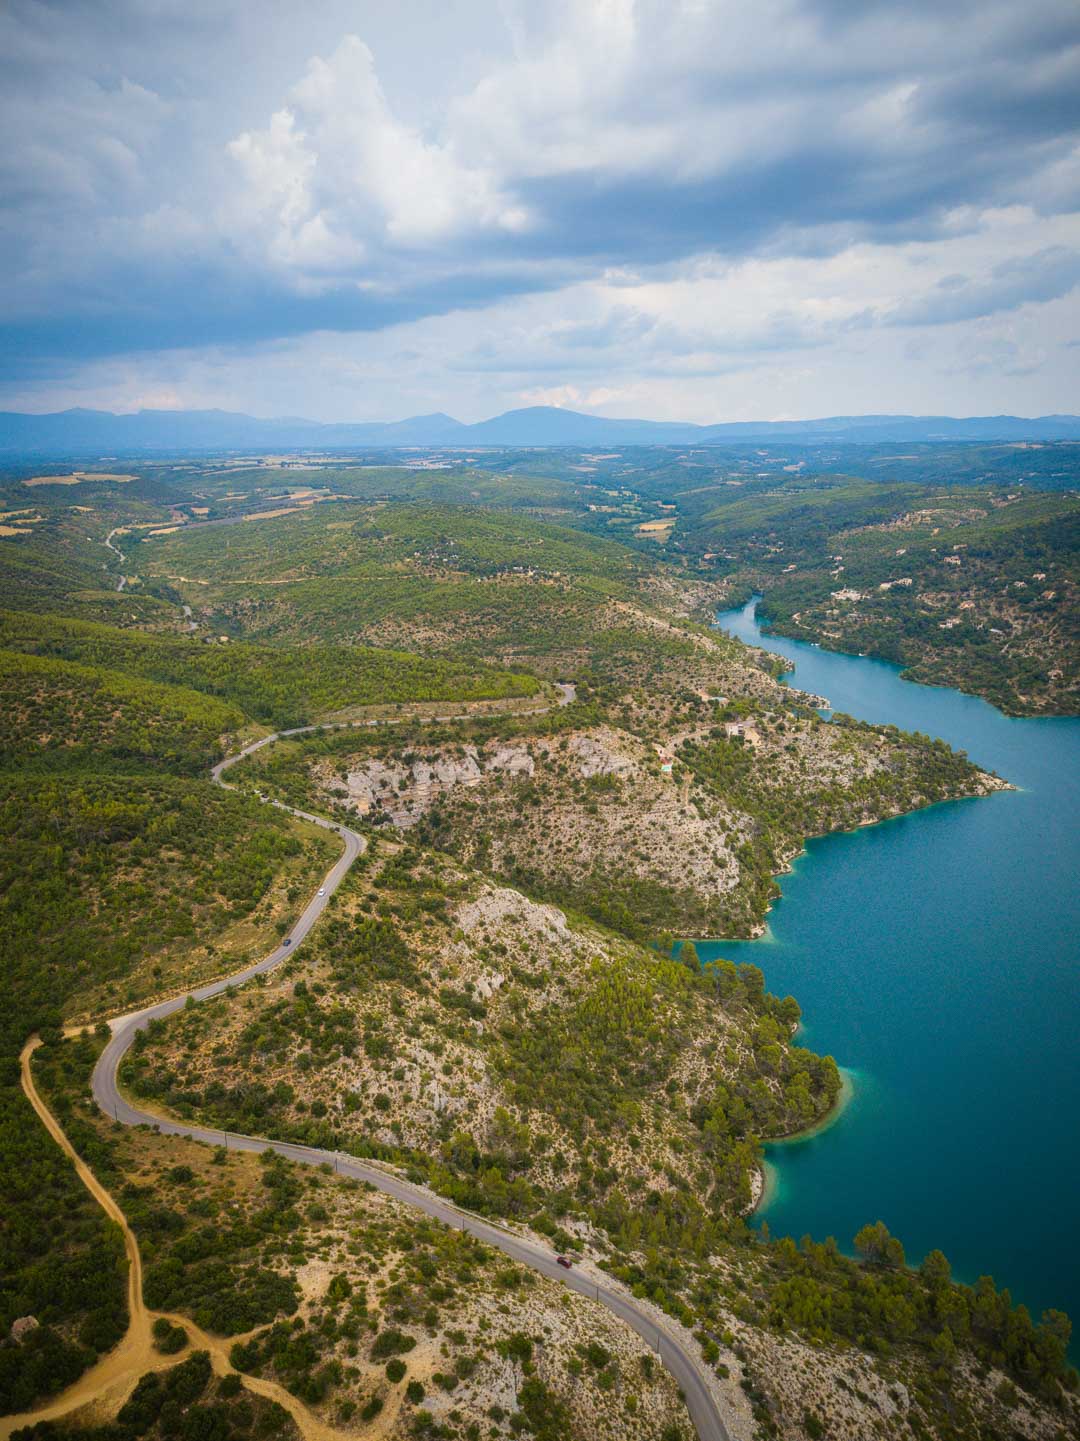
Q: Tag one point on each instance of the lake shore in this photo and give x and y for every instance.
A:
(886, 936)
(990, 784)
(764, 1188)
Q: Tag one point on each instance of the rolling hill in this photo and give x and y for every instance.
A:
(79, 431)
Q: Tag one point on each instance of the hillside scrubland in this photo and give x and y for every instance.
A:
(494, 1003)
(978, 589)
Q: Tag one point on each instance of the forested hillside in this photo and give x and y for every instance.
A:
(58, 713)
(125, 873)
(283, 687)
(975, 589)
(569, 775)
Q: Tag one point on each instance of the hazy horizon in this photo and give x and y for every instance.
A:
(393, 419)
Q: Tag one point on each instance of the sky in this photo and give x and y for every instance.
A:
(677, 209)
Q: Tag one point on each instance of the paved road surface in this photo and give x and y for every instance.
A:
(116, 551)
(680, 1360)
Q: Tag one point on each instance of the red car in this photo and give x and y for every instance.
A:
(564, 1261)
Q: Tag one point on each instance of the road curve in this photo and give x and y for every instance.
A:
(117, 552)
(677, 1357)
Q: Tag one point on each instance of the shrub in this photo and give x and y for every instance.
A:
(391, 1343)
(168, 1339)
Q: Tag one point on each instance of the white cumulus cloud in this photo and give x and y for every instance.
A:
(335, 178)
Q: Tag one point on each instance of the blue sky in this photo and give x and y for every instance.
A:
(682, 210)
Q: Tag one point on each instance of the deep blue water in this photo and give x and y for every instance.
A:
(936, 956)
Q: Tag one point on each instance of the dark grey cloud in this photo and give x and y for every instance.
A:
(206, 174)
(1022, 280)
(221, 305)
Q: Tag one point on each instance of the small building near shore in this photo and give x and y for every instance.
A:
(744, 731)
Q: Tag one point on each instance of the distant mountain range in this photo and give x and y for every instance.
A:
(82, 432)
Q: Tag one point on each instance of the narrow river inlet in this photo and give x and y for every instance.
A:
(936, 957)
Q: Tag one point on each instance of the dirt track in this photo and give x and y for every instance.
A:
(102, 1390)
(105, 1386)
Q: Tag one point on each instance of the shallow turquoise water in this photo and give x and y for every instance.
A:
(936, 956)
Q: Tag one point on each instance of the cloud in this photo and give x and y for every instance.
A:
(676, 186)
(1020, 280)
(336, 180)
(655, 129)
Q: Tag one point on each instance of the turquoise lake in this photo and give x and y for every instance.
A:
(936, 956)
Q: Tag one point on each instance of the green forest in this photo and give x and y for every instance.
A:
(100, 873)
(973, 588)
(125, 873)
(280, 687)
(59, 714)
(120, 858)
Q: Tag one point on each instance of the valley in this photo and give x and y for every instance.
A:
(539, 721)
(553, 775)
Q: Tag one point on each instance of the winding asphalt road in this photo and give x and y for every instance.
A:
(677, 1357)
(118, 552)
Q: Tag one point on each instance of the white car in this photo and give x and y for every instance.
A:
(322, 890)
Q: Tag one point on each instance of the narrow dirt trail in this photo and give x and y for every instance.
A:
(112, 1379)
(118, 1370)
(107, 1384)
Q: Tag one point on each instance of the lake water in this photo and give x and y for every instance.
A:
(936, 956)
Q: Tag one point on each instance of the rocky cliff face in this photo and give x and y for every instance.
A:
(406, 789)
(686, 831)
